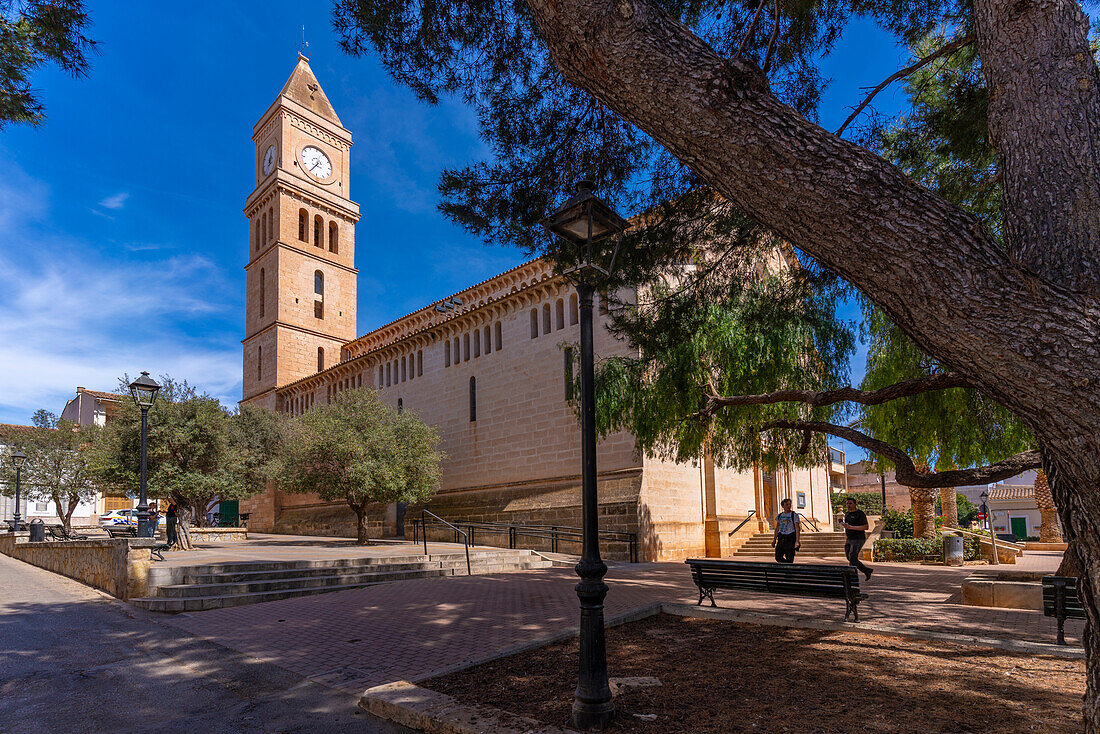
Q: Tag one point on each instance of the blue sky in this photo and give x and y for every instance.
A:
(123, 238)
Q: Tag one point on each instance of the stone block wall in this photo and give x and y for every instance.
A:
(110, 565)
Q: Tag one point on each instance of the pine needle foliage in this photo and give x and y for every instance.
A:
(34, 33)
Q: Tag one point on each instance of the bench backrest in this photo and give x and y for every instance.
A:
(1073, 608)
(802, 579)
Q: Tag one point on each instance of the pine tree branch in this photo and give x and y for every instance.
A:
(773, 37)
(903, 389)
(750, 31)
(905, 472)
(944, 50)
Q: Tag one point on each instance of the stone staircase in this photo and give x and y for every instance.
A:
(251, 582)
(815, 545)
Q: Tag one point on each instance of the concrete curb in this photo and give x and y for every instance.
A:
(776, 620)
(409, 705)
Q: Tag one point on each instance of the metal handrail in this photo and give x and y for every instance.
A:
(458, 532)
(811, 521)
(552, 532)
(742, 523)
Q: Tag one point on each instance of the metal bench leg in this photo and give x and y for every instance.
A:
(1061, 631)
(851, 609)
(706, 594)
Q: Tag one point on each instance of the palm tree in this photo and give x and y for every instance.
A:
(949, 507)
(924, 508)
(1049, 529)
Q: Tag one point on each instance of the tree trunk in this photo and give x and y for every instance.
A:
(949, 507)
(362, 531)
(183, 525)
(924, 512)
(933, 268)
(1049, 530)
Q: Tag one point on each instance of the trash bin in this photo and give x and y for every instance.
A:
(37, 530)
(953, 550)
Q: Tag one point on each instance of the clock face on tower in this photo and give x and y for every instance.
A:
(316, 162)
(269, 160)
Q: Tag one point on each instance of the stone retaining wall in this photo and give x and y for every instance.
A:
(110, 565)
(219, 535)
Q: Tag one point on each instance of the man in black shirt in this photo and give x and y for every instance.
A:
(855, 531)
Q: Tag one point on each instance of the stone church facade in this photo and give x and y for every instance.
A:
(488, 367)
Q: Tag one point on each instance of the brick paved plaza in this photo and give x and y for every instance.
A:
(412, 629)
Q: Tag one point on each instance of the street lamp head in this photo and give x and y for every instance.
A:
(18, 458)
(572, 220)
(983, 496)
(144, 390)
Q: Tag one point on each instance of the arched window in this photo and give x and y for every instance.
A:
(318, 294)
(488, 340)
(333, 238)
(320, 359)
(318, 225)
(477, 342)
(263, 293)
(303, 225)
(381, 380)
(404, 369)
(499, 335)
(546, 318)
(466, 347)
(263, 227)
(389, 373)
(256, 234)
(559, 315)
(419, 362)
(473, 399)
(259, 363)
(534, 323)
(400, 406)
(569, 373)
(447, 353)
(270, 224)
(574, 314)
(456, 352)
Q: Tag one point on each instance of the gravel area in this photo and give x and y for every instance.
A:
(720, 676)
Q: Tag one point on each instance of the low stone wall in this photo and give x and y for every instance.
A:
(1009, 590)
(111, 565)
(218, 535)
(1035, 546)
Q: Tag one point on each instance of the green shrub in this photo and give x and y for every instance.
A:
(869, 502)
(900, 522)
(902, 550)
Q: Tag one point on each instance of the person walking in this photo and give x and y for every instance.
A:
(855, 531)
(170, 523)
(788, 533)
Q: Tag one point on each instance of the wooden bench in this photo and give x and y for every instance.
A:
(1061, 602)
(795, 579)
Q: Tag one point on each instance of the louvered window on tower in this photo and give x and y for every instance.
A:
(318, 294)
(500, 340)
(318, 223)
(333, 239)
(303, 225)
(568, 373)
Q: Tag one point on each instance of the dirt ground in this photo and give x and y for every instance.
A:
(719, 676)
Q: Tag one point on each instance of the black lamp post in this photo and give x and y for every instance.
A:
(17, 459)
(582, 222)
(144, 392)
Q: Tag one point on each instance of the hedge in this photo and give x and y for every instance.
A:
(869, 502)
(903, 550)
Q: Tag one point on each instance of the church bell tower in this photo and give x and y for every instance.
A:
(301, 276)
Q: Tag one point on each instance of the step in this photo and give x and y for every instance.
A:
(223, 587)
(237, 566)
(175, 605)
(231, 576)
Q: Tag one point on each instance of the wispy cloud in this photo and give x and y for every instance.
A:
(72, 316)
(115, 201)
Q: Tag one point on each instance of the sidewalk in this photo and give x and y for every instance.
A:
(412, 629)
(74, 660)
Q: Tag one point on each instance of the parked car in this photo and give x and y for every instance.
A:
(123, 517)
